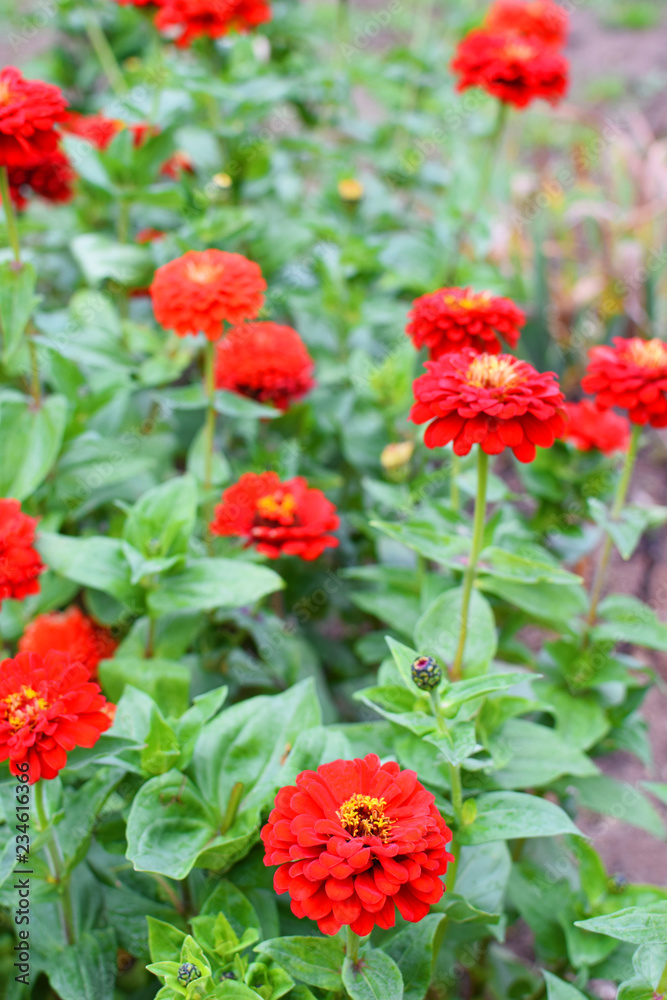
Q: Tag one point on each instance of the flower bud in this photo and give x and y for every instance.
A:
(227, 975)
(187, 973)
(426, 673)
(350, 189)
(395, 459)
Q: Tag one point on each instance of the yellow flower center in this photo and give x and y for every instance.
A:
(277, 508)
(23, 707)
(649, 353)
(202, 273)
(488, 371)
(350, 189)
(363, 816)
(518, 50)
(468, 301)
(5, 93)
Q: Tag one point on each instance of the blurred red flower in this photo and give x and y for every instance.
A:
(178, 163)
(450, 319)
(264, 361)
(515, 69)
(47, 707)
(631, 375)
(543, 19)
(149, 235)
(589, 428)
(29, 110)
(205, 288)
(289, 518)
(52, 179)
(69, 632)
(356, 840)
(95, 129)
(193, 19)
(493, 400)
(20, 563)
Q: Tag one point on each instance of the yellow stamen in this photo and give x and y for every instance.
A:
(363, 816)
(274, 507)
(468, 301)
(488, 371)
(202, 273)
(649, 353)
(5, 93)
(23, 707)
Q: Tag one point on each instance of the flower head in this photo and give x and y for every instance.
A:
(264, 361)
(52, 179)
(29, 110)
(493, 400)
(96, 129)
(543, 19)
(426, 673)
(514, 69)
(205, 288)
(47, 707)
(69, 632)
(591, 429)
(631, 375)
(356, 840)
(453, 318)
(191, 19)
(287, 518)
(178, 163)
(20, 563)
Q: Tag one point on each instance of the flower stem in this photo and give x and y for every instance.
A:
(105, 54)
(471, 570)
(454, 494)
(352, 948)
(56, 865)
(619, 501)
(10, 215)
(454, 769)
(209, 379)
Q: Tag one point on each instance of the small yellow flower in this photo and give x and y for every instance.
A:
(350, 189)
(396, 457)
(222, 180)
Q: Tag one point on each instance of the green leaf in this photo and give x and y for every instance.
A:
(233, 405)
(557, 989)
(627, 619)
(206, 584)
(604, 794)
(31, 439)
(86, 970)
(581, 721)
(165, 941)
(374, 977)
(636, 924)
(534, 756)
(515, 815)
(316, 961)
(437, 631)
(398, 705)
(100, 258)
(161, 522)
(477, 687)
(503, 565)
(404, 657)
(626, 530)
(546, 602)
(17, 302)
(167, 682)
(428, 541)
(93, 562)
(412, 951)
(482, 875)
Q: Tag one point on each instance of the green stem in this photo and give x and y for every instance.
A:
(123, 221)
(105, 54)
(209, 380)
(35, 388)
(10, 215)
(352, 949)
(471, 570)
(619, 501)
(56, 864)
(150, 637)
(454, 769)
(454, 494)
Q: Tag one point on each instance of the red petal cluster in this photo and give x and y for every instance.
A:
(52, 179)
(289, 518)
(69, 632)
(47, 707)
(450, 319)
(543, 19)
(95, 129)
(589, 428)
(493, 400)
(20, 563)
(631, 375)
(356, 840)
(178, 163)
(193, 19)
(204, 289)
(29, 110)
(515, 69)
(264, 361)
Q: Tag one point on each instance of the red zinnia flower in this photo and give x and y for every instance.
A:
(453, 318)
(178, 163)
(265, 361)
(149, 235)
(355, 840)
(631, 375)
(543, 19)
(590, 428)
(20, 563)
(512, 68)
(493, 400)
(95, 129)
(47, 707)
(205, 288)
(52, 179)
(210, 18)
(69, 632)
(288, 518)
(29, 110)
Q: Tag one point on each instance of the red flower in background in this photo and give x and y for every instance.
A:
(29, 110)
(264, 361)
(193, 19)
(95, 129)
(515, 69)
(631, 375)
(287, 518)
(453, 318)
(20, 563)
(356, 840)
(47, 707)
(205, 288)
(493, 400)
(589, 428)
(52, 179)
(178, 163)
(543, 19)
(149, 235)
(69, 632)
